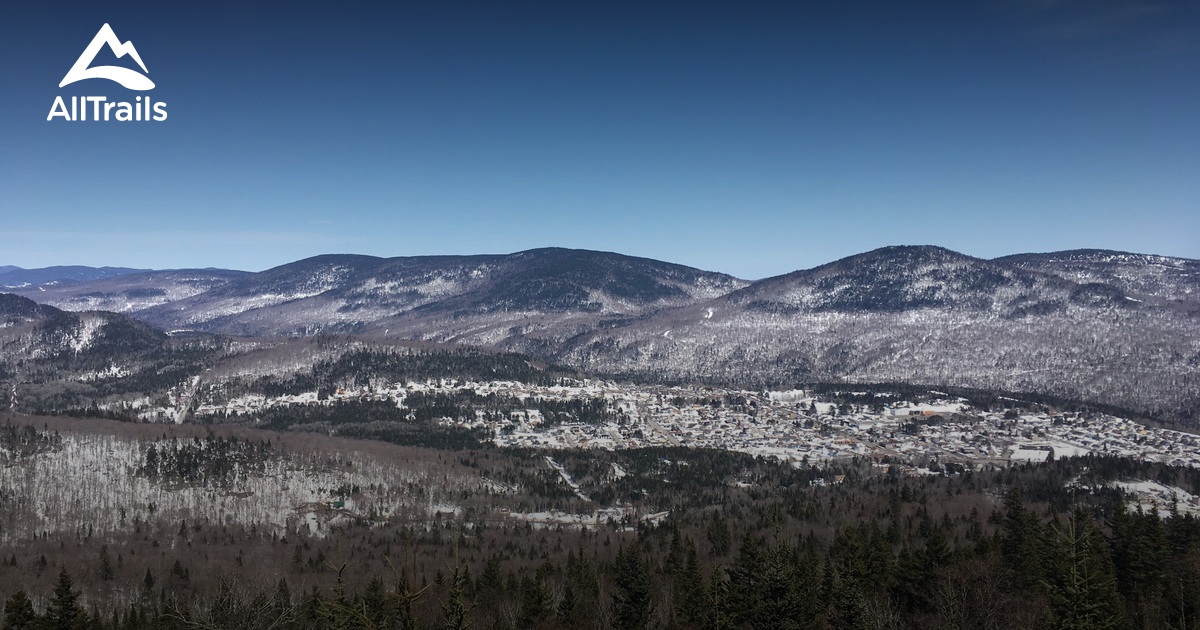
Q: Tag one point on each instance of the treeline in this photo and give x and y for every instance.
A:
(18, 441)
(364, 367)
(378, 420)
(212, 460)
(1072, 570)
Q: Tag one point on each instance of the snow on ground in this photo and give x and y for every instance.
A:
(1028, 454)
(1041, 451)
(89, 327)
(1066, 449)
(93, 479)
(1157, 498)
(554, 518)
(566, 478)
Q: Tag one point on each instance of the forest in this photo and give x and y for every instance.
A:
(748, 543)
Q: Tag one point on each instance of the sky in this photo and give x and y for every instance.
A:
(753, 138)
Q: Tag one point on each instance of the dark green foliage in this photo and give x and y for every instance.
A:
(63, 613)
(1080, 578)
(17, 441)
(380, 420)
(536, 606)
(456, 608)
(754, 546)
(208, 461)
(359, 368)
(18, 612)
(632, 598)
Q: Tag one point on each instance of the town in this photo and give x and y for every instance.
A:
(796, 425)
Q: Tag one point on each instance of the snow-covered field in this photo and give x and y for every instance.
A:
(1157, 498)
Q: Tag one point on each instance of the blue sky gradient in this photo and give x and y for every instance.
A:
(750, 138)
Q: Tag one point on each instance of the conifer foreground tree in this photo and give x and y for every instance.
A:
(63, 612)
(632, 599)
(18, 612)
(456, 609)
(1081, 584)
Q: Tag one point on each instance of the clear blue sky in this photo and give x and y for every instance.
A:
(747, 137)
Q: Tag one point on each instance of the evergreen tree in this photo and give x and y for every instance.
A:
(282, 600)
(490, 579)
(106, 568)
(568, 606)
(1021, 541)
(691, 589)
(456, 610)
(849, 609)
(1140, 556)
(719, 538)
(632, 600)
(718, 608)
(63, 613)
(745, 581)
(779, 605)
(18, 612)
(535, 601)
(1081, 583)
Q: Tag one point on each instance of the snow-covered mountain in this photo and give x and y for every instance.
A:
(1103, 326)
(1138, 275)
(32, 333)
(916, 315)
(16, 277)
(130, 292)
(342, 293)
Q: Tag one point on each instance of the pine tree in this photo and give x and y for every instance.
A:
(1140, 556)
(719, 538)
(18, 612)
(535, 601)
(1020, 542)
(1081, 581)
(849, 610)
(745, 581)
(779, 605)
(456, 610)
(63, 613)
(490, 579)
(691, 589)
(282, 601)
(106, 568)
(632, 600)
(718, 608)
(568, 606)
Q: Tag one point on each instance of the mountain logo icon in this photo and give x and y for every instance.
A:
(130, 79)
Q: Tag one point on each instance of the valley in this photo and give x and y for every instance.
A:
(362, 442)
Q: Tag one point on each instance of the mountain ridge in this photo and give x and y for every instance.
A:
(1111, 327)
(12, 276)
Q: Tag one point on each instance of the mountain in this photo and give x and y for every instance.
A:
(921, 315)
(1138, 275)
(17, 310)
(129, 292)
(344, 293)
(907, 278)
(1117, 328)
(15, 277)
(52, 359)
(35, 337)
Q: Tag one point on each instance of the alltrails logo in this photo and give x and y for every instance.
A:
(99, 107)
